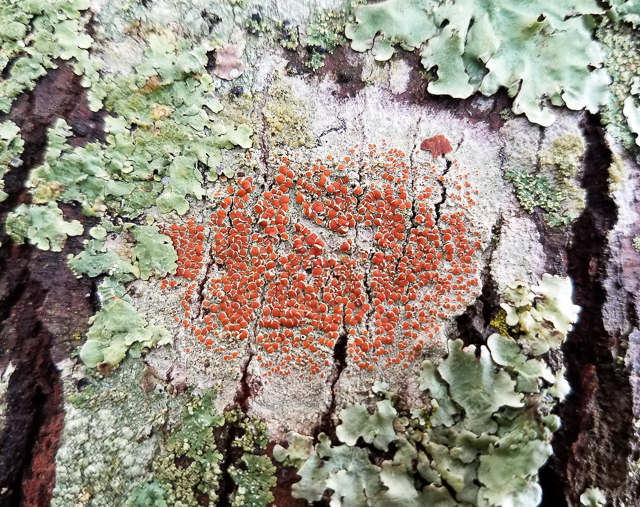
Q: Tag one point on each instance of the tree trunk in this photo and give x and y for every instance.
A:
(292, 246)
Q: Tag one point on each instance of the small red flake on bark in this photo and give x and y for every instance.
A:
(437, 145)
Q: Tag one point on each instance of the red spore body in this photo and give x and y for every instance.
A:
(437, 145)
(293, 286)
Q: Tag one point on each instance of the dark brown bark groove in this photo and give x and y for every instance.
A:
(42, 305)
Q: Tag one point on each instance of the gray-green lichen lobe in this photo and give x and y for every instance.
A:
(481, 439)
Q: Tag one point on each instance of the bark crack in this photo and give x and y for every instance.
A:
(443, 190)
(597, 416)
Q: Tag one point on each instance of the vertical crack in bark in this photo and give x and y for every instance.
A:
(473, 325)
(443, 190)
(339, 364)
(34, 415)
(200, 292)
(414, 213)
(230, 455)
(594, 442)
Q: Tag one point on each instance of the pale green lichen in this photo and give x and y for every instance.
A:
(474, 387)
(164, 129)
(508, 354)
(541, 315)
(324, 35)
(622, 61)
(151, 449)
(288, 35)
(149, 494)
(192, 442)
(42, 226)
(117, 329)
(97, 260)
(4, 386)
(481, 442)
(255, 434)
(541, 52)
(191, 465)
(11, 146)
(376, 428)
(624, 10)
(636, 243)
(154, 252)
(444, 409)
(379, 26)
(253, 484)
(481, 469)
(34, 35)
(536, 191)
(593, 497)
(299, 449)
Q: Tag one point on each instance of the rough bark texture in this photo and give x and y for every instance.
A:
(43, 306)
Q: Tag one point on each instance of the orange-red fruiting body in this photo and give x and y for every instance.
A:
(293, 288)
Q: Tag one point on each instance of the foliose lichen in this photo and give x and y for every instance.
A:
(123, 445)
(43, 226)
(4, 386)
(481, 442)
(593, 497)
(11, 146)
(483, 45)
(97, 260)
(162, 129)
(34, 34)
(542, 315)
(324, 36)
(117, 329)
(288, 38)
(254, 482)
(191, 465)
(254, 431)
(192, 443)
(619, 36)
(150, 253)
(162, 134)
(149, 494)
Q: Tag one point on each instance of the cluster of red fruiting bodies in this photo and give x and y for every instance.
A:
(286, 271)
